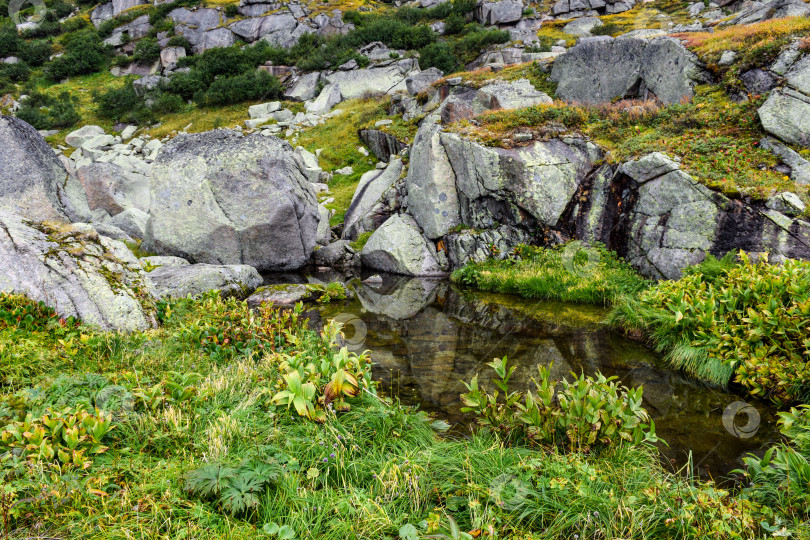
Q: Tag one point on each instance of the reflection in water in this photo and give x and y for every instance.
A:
(427, 336)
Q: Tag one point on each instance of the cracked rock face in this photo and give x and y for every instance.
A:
(661, 220)
(220, 198)
(786, 113)
(76, 272)
(600, 69)
(33, 182)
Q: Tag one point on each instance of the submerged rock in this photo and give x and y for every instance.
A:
(290, 294)
(76, 272)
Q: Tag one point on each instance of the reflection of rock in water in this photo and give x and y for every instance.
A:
(398, 299)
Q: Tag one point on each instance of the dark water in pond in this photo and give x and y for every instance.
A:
(427, 336)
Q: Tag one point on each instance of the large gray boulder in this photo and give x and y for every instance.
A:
(33, 182)
(374, 81)
(221, 198)
(202, 28)
(305, 87)
(664, 220)
(131, 221)
(454, 181)
(76, 272)
(180, 281)
(511, 95)
(112, 189)
(398, 248)
(422, 80)
(329, 97)
(568, 9)
(367, 209)
(600, 69)
(499, 11)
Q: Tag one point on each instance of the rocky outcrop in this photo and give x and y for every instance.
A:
(76, 272)
(511, 95)
(499, 11)
(180, 281)
(650, 211)
(375, 80)
(201, 27)
(786, 113)
(775, 9)
(221, 198)
(661, 219)
(33, 182)
(369, 209)
(600, 69)
(397, 247)
(453, 182)
(569, 9)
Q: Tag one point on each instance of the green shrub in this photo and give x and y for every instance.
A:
(46, 112)
(455, 24)
(231, 10)
(146, 51)
(250, 86)
(748, 320)
(607, 29)
(17, 311)
(122, 105)
(473, 43)
(48, 26)
(584, 415)
(162, 102)
(10, 41)
(18, 72)
(180, 41)
(74, 24)
(781, 478)
(85, 53)
(35, 53)
(186, 85)
(439, 55)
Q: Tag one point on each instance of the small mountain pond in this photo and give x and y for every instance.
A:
(428, 336)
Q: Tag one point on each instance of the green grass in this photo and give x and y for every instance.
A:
(192, 396)
(569, 273)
